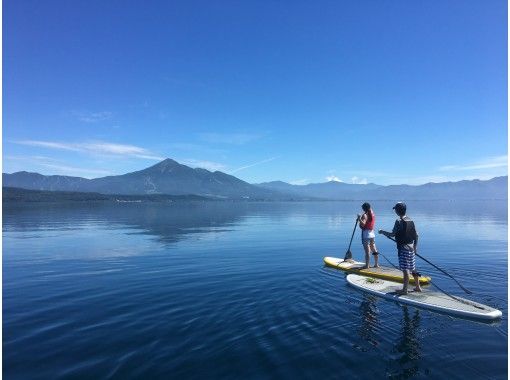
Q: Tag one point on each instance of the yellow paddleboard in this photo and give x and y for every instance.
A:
(385, 273)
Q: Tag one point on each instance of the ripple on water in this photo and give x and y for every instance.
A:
(225, 291)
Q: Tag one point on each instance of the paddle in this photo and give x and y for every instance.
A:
(435, 266)
(348, 254)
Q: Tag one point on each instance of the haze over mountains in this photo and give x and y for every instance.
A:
(496, 188)
(170, 177)
(166, 177)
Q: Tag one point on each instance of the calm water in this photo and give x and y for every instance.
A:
(239, 290)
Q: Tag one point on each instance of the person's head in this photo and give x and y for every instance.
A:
(365, 207)
(400, 208)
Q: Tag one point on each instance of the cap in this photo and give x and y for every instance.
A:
(400, 207)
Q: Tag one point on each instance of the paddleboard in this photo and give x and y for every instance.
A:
(427, 299)
(385, 273)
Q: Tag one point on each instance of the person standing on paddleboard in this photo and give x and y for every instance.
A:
(404, 232)
(367, 223)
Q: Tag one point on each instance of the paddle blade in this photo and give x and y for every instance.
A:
(348, 255)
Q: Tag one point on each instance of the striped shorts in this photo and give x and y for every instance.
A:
(406, 260)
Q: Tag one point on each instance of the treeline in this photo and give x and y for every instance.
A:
(14, 194)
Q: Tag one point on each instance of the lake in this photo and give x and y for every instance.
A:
(238, 290)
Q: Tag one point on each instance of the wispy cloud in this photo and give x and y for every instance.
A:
(101, 148)
(354, 180)
(209, 165)
(63, 169)
(228, 138)
(252, 165)
(487, 163)
(50, 145)
(57, 166)
(333, 178)
(359, 181)
(28, 158)
(109, 148)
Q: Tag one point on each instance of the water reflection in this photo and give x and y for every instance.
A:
(406, 352)
(168, 222)
(369, 321)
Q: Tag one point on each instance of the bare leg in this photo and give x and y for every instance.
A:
(406, 282)
(417, 287)
(376, 257)
(367, 255)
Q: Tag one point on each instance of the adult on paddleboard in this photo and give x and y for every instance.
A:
(404, 232)
(367, 223)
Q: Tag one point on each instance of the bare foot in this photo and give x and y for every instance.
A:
(417, 289)
(376, 266)
(364, 267)
(401, 292)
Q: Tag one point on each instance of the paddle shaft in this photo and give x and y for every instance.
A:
(353, 231)
(435, 266)
(348, 254)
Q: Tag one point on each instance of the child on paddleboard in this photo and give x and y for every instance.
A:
(406, 237)
(367, 223)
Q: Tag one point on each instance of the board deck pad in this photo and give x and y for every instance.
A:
(427, 299)
(386, 273)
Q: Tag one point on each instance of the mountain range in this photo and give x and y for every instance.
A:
(495, 188)
(171, 177)
(166, 177)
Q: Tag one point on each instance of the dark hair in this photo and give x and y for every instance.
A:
(366, 207)
(400, 208)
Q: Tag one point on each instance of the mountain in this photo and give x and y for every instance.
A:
(496, 188)
(36, 181)
(170, 177)
(327, 190)
(166, 177)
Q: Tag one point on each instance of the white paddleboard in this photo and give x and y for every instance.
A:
(426, 299)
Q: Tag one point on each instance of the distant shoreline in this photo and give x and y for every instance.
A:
(12, 195)
(15, 194)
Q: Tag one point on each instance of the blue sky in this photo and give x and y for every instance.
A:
(301, 91)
